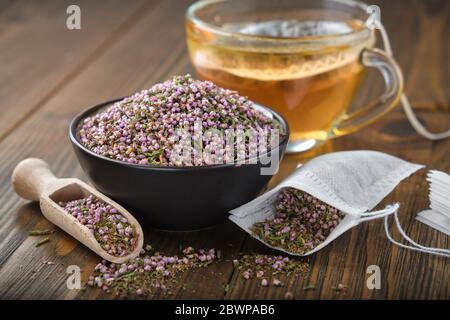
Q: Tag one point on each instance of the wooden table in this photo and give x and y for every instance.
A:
(49, 73)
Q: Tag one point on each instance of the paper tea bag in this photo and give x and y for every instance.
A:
(352, 182)
(438, 217)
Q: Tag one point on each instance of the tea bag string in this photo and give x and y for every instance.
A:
(415, 123)
(393, 210)
(368, 216)
(414, 245)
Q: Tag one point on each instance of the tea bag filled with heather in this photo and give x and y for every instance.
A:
(301, 222)
(322, 199)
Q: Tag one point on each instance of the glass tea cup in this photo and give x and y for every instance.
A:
(303, 58)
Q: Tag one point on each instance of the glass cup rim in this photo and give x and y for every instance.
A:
(342, 38)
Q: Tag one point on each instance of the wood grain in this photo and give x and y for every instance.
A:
(143, 44)
(40, 55)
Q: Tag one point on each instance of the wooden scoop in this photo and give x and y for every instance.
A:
(33, 180)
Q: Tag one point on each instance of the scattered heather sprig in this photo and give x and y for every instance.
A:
(263, 267)
(149, 272)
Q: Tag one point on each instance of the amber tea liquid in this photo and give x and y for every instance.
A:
(312, 90)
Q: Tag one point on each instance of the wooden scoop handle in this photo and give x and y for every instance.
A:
(30, 178)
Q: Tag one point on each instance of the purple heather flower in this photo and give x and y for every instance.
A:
(137, 129)
(93, 212)
(108, 278)
(288, 295)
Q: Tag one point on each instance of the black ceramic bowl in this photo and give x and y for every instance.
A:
(173, 198)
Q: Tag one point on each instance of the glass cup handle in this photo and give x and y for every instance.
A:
(393, 79)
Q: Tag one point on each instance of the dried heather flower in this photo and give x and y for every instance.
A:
(140, 129)
(259, 266)
(300, 224)
(149, 272)
(110, 228)
(276, 282)
(289, 296)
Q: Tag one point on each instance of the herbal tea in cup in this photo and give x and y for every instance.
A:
(303, 58)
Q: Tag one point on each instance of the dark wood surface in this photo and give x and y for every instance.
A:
(48, 74)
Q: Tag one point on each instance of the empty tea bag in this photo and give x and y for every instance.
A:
(438, 216)
(353, 182)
